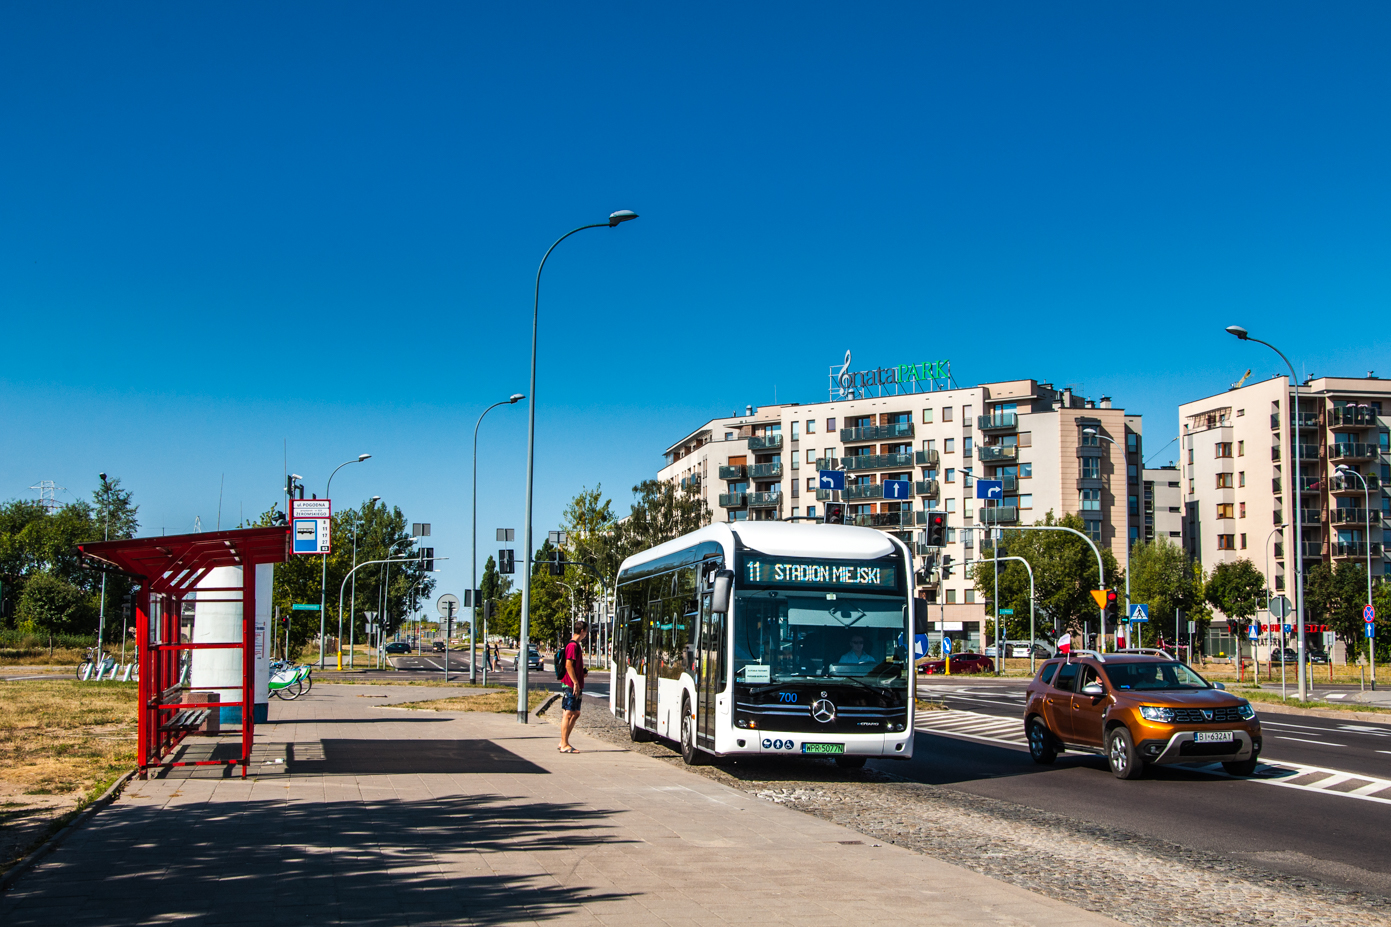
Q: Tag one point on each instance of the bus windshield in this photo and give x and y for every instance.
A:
(790, 635)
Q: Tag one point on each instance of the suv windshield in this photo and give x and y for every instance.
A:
(790, 635)
(1154, 676)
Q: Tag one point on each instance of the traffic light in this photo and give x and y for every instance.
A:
(489, 609)
(1112, 605)
(554, 565)
(284, 622)
(427, 559)
(506, 561)
(835, 513)
(946, 566)
(936, 529)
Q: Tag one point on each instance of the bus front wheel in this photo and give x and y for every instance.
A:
(690, 753)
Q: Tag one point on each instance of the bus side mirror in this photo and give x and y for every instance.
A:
(919, 616)
(721, 591)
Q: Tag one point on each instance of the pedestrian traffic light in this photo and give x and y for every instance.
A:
(284, 622)
(946, 566)
(489, 609)
(427, 559)
(554, 564)
(506, 561)
(835, 513)
(936, 529)
(1112, 605)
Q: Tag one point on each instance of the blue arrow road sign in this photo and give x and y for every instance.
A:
(830, 479)
(1371, 630)
(1139, 612)
(946, 646)
(990, 489)
(896, 489)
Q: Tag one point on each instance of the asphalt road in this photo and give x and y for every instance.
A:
(1300, 816)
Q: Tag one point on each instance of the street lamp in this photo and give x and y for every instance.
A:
(1268, 576)
(1346, 471)
(323, 579)
(1242, 334)
(473, 551)
(105, 536)
(622, 215)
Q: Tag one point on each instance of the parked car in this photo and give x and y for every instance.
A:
(1020, 650)
(533, 659)
(960, 663)
(438, 647)
(1318, 656)
(398, 647)
(1138, 710)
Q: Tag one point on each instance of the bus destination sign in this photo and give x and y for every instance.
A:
(769, 571)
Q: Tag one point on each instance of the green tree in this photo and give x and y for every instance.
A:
(590, 525)
(52, 605)
(1164, 577)
(661, 512)
(1064, 573)
(115, 513)
(1334, 595)
(1237, 589)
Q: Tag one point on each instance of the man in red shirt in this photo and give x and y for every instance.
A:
(573, 683)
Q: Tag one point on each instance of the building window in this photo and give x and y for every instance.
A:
(811, 426)
(1132, 441)
(951, 505)
(811, 511)
(794, 430)
(794, 511)
(796, 462)
(966, 417)
(1224, 448)
(729, 436)
(1132, 474)
(951, 475)
(1240, 413)
(1190, 485)
(811, 484)
(1242, 510)
(951, 596)
(927, 416)
(1224, 510)
(811, 455)
(970, 597)
(1243, 542)
(1091, 500)
(1226, 542)
(1241, 478)
(966, 446)
(1093, 529)
(1026, 470)
(1224, 481)
(930, 445)
(830, 426)
(1241, 449)
(1091, 440)
(1134, 505)
(1026, 501)
(966, 478)
(1190, 455)
(1091, 467)
(949, 446)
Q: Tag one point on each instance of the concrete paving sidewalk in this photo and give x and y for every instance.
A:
(395, 817)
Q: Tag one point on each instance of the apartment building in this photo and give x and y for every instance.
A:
(1163, 505)
(1052, 449)
(1238, 452)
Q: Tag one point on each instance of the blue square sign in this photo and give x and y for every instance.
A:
(830, 479)
(897, 489)
(990, 489)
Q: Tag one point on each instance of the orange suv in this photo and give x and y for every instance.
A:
(1137, 709)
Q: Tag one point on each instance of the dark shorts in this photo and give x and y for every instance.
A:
(571, 700)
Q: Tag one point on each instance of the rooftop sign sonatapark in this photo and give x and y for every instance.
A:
(888, 381)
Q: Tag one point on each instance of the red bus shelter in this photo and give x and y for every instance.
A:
(169, 569)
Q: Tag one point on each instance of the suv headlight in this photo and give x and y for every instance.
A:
(1155, 713)
(1245, 711)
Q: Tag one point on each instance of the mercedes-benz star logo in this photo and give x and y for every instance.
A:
(1207, 715)
(823, 711)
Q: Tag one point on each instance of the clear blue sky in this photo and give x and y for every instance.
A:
(226, 227)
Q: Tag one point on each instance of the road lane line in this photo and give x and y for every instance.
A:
(1301, 740)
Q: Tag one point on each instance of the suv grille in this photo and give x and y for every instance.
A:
(1195, 716)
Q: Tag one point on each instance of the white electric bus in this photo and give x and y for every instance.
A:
(768, 638)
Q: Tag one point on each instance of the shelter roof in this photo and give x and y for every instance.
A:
(180, 560)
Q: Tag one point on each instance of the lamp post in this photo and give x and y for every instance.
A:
(473, 551)
(105, 536)
(323, 579)
(1280, 527)
(622, 215)
(1129, 635)
(352, 604)
(1241, 333)
(1346, 471)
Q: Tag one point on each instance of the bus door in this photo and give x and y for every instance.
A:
(708, 680)
(618, 650)
(652, 668)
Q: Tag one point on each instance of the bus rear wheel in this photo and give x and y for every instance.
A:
(690, 753)
(636, 734)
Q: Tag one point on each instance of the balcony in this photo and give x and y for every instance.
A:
(766, 443)
(1308, 451)
(828, 463)
(923, 550)
(877, 432)
(764, 500)
(926, 458)
(926, 488)
(824, 495)
(766, 471)
(1279, 551)
(1309, 483)
(1306, 420)
(1089, 482)
(1011, 483)
(733, 500)
(1001, 421)
(1355, 548)
(736, 472)
(1352, 417)
(877, 461)
(691, 483)
(991, 452)
(884, 520)
(1353, 451)
(1310, 516)
(865, 491)
(999, 515)
(1352, 517)
(1312, 549)
(1352, 486)
(1275, 454)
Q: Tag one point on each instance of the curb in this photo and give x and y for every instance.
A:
(8, 880)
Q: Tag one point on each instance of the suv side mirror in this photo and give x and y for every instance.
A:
(1218, 685)
(721, 591)
(1093, 689)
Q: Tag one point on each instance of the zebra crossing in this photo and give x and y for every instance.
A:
(1009, 732)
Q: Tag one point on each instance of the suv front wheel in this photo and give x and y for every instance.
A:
(1042, 746)
(1121, 753)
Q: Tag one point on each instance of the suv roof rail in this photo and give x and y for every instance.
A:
(1100, 658)
(1152, 651)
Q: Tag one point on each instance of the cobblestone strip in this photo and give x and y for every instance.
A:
(1134, 878)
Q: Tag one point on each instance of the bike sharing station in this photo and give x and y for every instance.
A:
(203, 637)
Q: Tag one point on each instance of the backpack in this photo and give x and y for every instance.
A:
(560, 661)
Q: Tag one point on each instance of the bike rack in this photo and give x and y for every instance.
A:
(168, 569)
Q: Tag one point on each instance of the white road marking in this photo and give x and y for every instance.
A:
(1301, 740)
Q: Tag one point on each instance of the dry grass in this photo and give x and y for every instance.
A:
(500, 702)
(61, 736)
(39, 656)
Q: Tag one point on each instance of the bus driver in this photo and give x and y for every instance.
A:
(857, 652)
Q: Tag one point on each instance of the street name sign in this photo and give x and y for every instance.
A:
(304, 608)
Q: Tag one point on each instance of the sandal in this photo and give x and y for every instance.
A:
(567, 750)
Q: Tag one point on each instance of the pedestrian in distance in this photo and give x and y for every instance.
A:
(572, 684)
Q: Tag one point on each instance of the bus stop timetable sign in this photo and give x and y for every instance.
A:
(311, 521)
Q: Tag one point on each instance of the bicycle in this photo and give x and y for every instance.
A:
(93, 659)
(288, 680)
